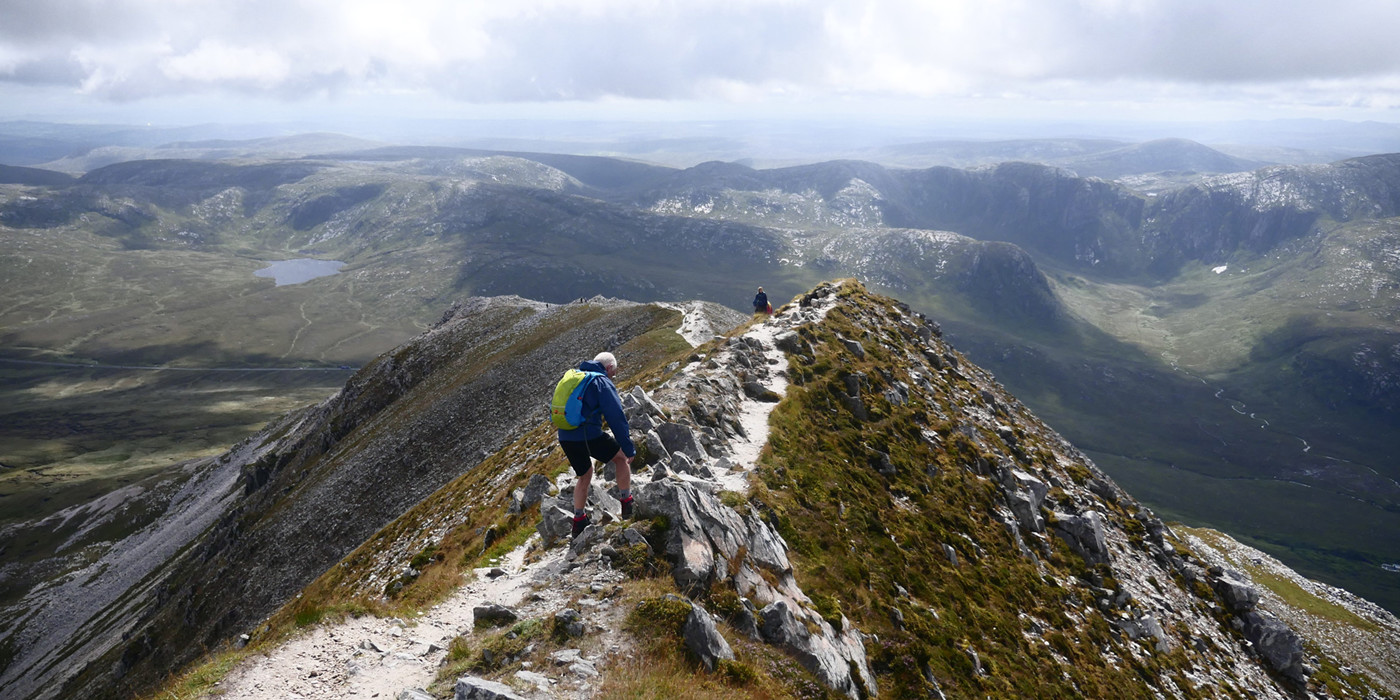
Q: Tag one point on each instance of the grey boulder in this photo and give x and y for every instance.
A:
(1279, 645)
(703, 638)
(555, 523)
(473, 688)
(1240, 596)
(680, 438)
(1084, 534)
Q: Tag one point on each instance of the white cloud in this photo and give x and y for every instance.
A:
(1302, 51)
(216, 62)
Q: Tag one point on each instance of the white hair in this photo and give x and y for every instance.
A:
(606, 359)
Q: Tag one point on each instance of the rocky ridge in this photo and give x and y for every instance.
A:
(234, 540)
(703, 430)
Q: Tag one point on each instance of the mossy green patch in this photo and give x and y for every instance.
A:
(868, 521)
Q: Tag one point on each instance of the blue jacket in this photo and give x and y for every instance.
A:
(600, 401)
(760, 301)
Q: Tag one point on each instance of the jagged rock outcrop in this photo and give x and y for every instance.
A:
(1084, 533)
(533, 492)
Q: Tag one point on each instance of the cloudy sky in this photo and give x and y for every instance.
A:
(173, 60)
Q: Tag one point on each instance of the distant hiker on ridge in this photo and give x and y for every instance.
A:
(760, 303)
(583, 399)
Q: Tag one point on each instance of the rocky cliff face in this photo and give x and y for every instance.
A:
(841, 488)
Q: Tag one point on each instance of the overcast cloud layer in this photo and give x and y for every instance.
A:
(1339, 58)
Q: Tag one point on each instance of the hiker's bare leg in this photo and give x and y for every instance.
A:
(581, 490)
(624, 470)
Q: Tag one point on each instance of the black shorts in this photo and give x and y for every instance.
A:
(601, 448)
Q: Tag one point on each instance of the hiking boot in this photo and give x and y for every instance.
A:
(627, 508)
(580, 524)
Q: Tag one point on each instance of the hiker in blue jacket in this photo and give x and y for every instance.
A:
(588, 441)
(760, 302)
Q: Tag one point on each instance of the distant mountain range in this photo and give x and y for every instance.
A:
(1087, 157)
(81, 147)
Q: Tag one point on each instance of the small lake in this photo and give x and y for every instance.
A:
(299, 270)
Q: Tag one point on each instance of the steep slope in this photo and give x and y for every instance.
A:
(235, 535)
(908, 530)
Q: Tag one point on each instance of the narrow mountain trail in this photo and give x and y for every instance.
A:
(370, 657)
(375, 657)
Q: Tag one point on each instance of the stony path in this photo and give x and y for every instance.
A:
(753, 415)
(370, 657)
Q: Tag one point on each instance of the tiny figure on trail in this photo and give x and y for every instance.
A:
(760, 303)
(583, 399)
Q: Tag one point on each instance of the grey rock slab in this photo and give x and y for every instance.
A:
(644, 402)
(765, 546)
(571, 621)
(493, 614)
(535, 490)
(680, 462)
(702, 530)
(746, 620)
(758, 392)
(1035, 487)
(789, 341)
(556, 523)
(539, 680)
(680, 438)
(779, 625)
(564, 657)
(829, 656)
(1027, 513)
(599, 496)
(1240, 596)
(586, 539)
(583, 669)
(656, 447)
(1278, 644)
(703, 638)
(474, 688)
(633, 536)
(1084, 533)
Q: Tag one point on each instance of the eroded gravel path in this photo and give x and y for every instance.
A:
(369, 657)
